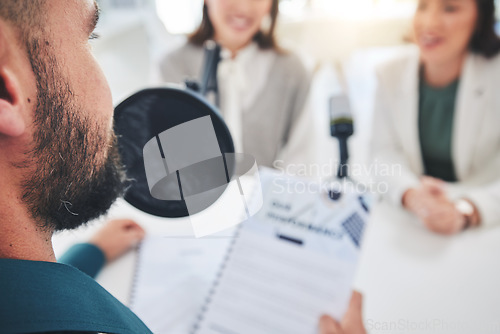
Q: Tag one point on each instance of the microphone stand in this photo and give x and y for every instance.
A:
(208, 82)
(342, 129)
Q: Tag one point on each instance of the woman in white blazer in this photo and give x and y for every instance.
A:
(437, 118)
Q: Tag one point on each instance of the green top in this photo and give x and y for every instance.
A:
(435, 124)
(38, 297)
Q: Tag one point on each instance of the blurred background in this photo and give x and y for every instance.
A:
(136, 33)
(340, 41)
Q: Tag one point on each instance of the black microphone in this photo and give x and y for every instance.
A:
(208, 83)
(341, 127)
(209, 76)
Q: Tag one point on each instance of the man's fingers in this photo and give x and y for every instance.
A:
(328, 325)
(135, 228)
(131, 231)
(135, 233)
(353, 319)
(126, 223)
(352, 322)
(356, 300)
(140, 234)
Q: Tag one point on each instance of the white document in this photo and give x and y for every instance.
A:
(291, 263)
(173, 278)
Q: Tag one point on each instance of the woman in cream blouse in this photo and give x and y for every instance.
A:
(263, 89)
(437, 118)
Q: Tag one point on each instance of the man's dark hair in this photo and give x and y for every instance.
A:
(26, 16)
(485, 41)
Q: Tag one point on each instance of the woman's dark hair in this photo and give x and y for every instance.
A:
(265, 40)
(485, 41)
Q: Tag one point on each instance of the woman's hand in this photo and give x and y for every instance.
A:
(352, 322)
(431, 205)
(117, 237)
(446, 219)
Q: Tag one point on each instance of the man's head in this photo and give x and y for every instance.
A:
(57, 148)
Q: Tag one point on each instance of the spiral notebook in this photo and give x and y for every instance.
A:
(172, 279)
(285, 267)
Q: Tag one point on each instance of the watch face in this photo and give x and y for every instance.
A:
(464, 207)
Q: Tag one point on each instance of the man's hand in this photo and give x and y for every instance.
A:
(352, 322)
(117, 237)
(328, 325)
(431, 205)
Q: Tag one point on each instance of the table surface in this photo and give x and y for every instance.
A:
(415, 281)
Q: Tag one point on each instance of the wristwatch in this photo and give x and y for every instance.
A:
(467, 210)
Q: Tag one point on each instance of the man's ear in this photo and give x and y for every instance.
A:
(11, 107)
(11, 121)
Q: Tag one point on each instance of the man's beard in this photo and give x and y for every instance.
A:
(66, 187)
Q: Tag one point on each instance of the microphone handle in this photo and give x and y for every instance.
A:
(209, 76)
(343, 171)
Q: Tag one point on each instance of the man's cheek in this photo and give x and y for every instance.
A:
(103, 94)
(98, 99)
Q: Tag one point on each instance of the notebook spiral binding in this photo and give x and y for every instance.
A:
(135, 277)
(208, 299)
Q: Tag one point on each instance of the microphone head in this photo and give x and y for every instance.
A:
(210, 45)
(341, 120)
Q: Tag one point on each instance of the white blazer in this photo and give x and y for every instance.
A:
(476, 132)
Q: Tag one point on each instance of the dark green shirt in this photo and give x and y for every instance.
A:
(85, 257)
(38, 297)
(435, 124)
